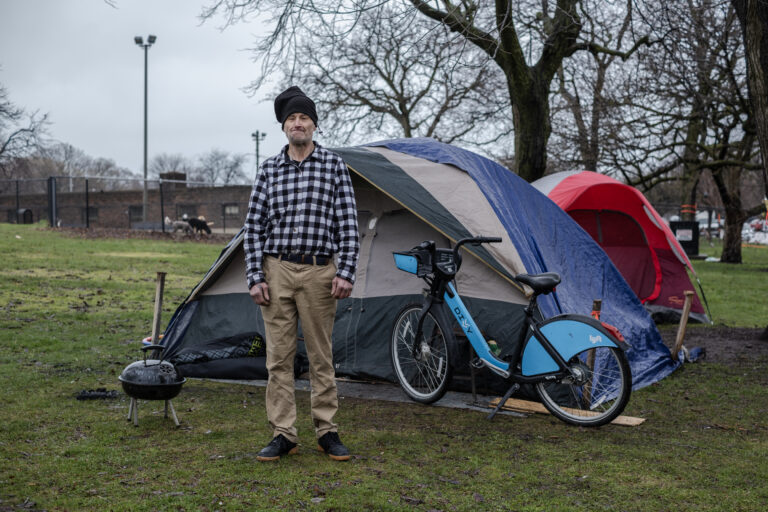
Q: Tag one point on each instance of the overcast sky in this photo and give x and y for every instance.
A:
(76, 60)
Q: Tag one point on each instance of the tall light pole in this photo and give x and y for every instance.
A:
(258, 136)
(140, 42)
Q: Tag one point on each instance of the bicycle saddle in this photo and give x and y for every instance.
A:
(541, 283)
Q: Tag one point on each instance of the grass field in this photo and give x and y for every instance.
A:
(72, 312)
(737, 294)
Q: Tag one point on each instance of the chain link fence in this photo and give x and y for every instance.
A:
(87, 202)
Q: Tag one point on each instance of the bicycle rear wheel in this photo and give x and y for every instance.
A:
(596, 395)
(424, 376)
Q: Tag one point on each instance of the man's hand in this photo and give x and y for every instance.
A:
(340, 288)
(260, 294)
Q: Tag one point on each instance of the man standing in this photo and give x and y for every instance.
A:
(301, 216)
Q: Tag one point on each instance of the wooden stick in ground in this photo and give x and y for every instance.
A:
(597, 306)
(683, 324)
(158, 310)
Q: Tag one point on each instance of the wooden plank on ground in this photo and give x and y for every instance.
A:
(517, 405)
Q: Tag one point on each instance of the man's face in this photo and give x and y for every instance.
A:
(299, 128)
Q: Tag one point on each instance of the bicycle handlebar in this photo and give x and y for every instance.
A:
(476, 240)
(486, 240)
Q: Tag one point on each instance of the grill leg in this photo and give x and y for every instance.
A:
(135, 408)
(130, 409)
(169, 405)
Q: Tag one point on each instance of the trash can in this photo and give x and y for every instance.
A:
(687, 233)
(24, 216)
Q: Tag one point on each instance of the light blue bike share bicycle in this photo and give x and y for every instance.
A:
(576, 363)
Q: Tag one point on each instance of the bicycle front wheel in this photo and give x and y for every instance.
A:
(422, 365)
(595, 394)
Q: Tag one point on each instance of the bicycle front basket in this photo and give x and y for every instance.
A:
(414, 262)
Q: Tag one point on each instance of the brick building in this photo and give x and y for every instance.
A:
(80, 202)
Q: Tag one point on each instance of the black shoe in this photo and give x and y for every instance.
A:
(332, 446)
(277, 447)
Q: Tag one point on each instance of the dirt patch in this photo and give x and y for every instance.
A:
(727, 345)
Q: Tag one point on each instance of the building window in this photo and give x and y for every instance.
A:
(135, 213)
(231, 210)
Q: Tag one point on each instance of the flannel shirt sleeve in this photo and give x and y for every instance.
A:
(255, 231)
(345, 217)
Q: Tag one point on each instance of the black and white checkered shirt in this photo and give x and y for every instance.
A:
(307, 208)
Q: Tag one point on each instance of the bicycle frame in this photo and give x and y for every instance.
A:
(541, 359)
(475, 337)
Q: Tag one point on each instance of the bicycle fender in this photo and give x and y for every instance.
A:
(569, 334)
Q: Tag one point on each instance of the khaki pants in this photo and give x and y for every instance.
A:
(296, 292)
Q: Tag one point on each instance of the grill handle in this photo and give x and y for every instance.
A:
(159, 349)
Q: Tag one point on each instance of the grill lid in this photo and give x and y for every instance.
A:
(151, 372)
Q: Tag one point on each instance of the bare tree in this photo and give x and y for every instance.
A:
(164, 163)
(691, 113)
(587, 106)
(63, 160)
(395, 77)
(21, 133)
(221, 168)
(527, 40)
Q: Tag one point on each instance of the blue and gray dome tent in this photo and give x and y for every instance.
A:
(410, 190)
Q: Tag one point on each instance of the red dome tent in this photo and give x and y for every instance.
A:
(638, 241)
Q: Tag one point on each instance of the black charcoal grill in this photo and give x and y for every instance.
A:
(151, 379)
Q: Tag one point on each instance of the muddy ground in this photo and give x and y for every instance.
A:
(728, 345)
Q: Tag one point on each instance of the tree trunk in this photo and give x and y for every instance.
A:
(532, 130)
(753, 18)
(728, 183)
(734, 219)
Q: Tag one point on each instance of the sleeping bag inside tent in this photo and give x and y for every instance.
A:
(408, 191)
(633, 234)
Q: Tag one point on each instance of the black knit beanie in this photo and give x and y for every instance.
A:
(291, 101)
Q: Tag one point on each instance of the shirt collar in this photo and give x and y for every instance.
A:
(284, 158)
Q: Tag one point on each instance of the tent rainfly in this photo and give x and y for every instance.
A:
(410, 190)
(633, 234)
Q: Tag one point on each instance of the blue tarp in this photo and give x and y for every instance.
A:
(548, 240)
